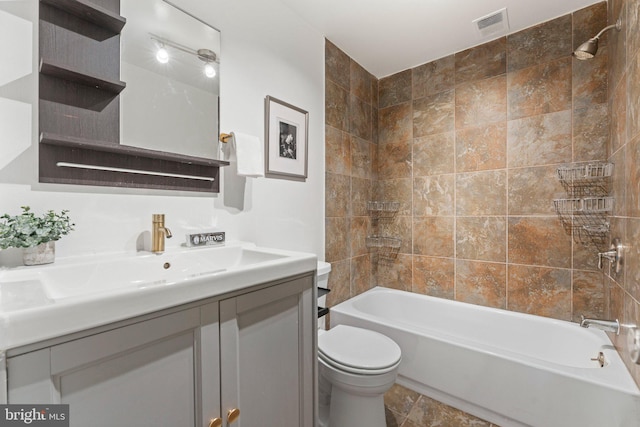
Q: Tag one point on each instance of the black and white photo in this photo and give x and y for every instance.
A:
(286, 140)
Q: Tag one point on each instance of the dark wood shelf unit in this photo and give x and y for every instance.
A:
(50, 68)
(57, 150)
(80, 112)
(90, 12)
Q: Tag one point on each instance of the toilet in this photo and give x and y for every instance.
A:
(356, 367)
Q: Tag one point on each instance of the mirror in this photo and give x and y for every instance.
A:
(171, 102)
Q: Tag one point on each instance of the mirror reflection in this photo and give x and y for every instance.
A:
(170, 62)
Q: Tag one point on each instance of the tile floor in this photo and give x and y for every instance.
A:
(407, 408)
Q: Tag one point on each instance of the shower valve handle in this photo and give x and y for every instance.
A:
(610, 255)
(614, 255)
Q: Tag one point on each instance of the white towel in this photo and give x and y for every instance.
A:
(248, 154)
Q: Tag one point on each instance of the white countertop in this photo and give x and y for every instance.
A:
(78, 293)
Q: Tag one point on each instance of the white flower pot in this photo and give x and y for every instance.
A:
(44, 253)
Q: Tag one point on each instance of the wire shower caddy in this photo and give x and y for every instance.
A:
(584, 214)
(384, 247)
(380, 210)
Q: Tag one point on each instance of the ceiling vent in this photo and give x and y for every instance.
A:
(492, 24)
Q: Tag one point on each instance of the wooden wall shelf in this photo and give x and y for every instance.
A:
(90, 12)
(50, 68)
(128, 150)
(66, 160)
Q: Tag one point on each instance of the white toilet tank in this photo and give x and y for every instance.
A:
(324, 268)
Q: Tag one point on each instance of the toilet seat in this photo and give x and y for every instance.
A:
(358, 351)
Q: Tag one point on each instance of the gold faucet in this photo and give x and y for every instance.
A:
(158, 234)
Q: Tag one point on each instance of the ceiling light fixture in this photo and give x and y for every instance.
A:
(208, 56)
(162, 55)
(209, 71)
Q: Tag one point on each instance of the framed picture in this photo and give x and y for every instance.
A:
(286, 136)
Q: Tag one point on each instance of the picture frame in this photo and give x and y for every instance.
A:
(286, 140)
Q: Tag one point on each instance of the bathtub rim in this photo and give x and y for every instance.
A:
(594, 375)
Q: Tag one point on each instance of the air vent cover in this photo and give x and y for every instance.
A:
(492, 24)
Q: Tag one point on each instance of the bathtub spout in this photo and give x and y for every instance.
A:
(605, 325)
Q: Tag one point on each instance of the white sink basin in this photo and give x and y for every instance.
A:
(90, 276)
(120, 286)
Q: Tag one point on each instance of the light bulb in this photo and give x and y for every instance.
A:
(209, 71)
(162, 55)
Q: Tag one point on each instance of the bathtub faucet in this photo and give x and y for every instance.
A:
(605, 325)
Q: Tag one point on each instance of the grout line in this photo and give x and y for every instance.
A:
(506, 163)
(455, 190)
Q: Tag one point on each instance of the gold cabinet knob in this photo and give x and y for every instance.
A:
(233, 415)
(216, 422)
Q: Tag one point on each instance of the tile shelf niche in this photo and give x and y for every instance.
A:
(79, 107)
(584, 213)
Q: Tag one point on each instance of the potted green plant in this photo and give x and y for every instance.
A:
(35, 234)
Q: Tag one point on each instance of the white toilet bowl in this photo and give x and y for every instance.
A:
(356, 367)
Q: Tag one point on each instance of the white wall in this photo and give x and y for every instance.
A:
(266, 50)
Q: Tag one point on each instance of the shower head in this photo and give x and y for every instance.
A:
(588, 49)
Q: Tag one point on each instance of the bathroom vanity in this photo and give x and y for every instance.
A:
(241, 353)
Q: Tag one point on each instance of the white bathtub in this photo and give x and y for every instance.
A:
(509, 368)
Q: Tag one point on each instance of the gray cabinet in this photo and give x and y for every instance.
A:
(144, 374)
(267, 358)
(252, 352)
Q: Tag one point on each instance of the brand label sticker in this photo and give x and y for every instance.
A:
(205, 239)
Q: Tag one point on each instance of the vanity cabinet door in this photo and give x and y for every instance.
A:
(144, 374)
(267, 359)
(210, 365)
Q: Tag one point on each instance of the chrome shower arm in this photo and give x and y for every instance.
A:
(617, 26)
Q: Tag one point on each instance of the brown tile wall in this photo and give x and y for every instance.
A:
(469, 145)
(623, 290)
(351, 98)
